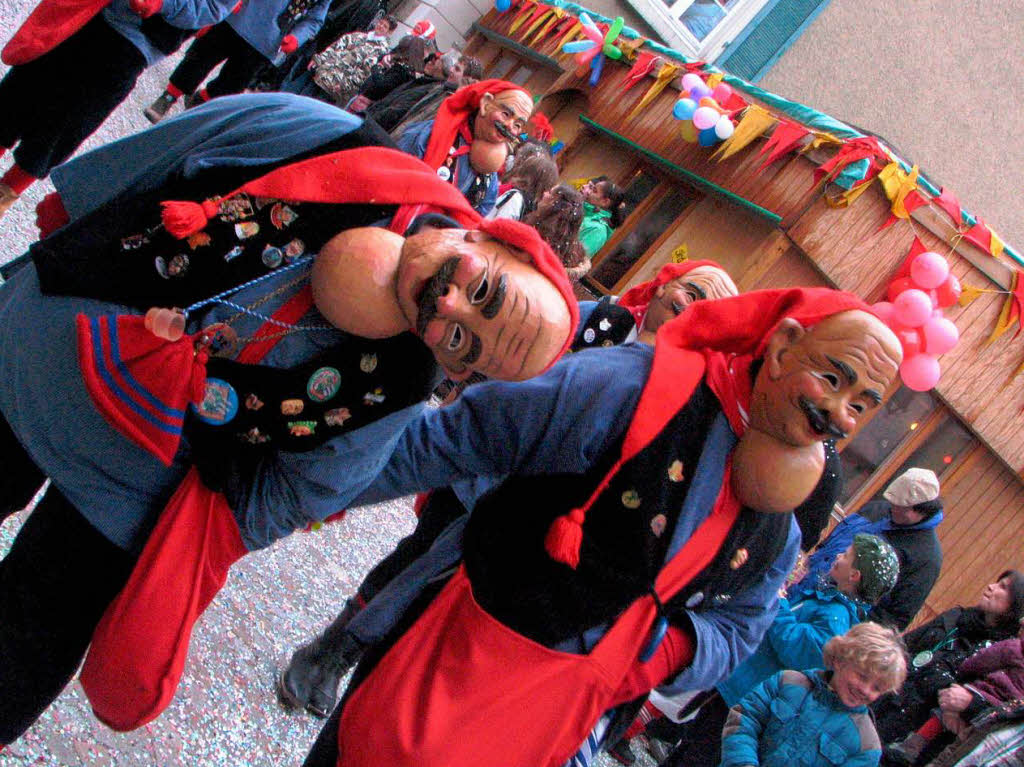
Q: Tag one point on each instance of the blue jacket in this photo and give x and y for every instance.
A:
(414, 141)
(795, 720)
(256, 23)
(183, 14)
(796, 638)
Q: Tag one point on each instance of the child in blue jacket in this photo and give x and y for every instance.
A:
(819, 718)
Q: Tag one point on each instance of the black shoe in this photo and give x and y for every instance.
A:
(156, 111)
(622, 752)
(193, 100)
(659, 749)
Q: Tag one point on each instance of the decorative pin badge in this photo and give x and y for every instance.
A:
(281, 215)
(337, 416)
(607, 343)
(292, 407)
(604, 325)
(374, 397)
(176, 266)
(219, 404)
(301, 428)
(134, 242)
(219, 340)
(246, 229)
(658, 525)
(235, 209)
(631, 499)
(443, 173)
(739, 559)
(368, 363)
(922, 659)
(234, 253)
(252, 402)
(323, 384)
(695, 599)
(589, 335)
(198, 240)
(675, 471)
(272, 257)
(255, 437)
(293, 250)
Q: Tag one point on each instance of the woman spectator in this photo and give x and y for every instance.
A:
(527, 182)
(939, 647)
(558, 217)
(406, 62)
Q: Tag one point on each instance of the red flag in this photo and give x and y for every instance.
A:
(949, 203)
(856, 149)
(911, 202)
(784, 139)
(644, 65)
(980, 235)
(916, 248)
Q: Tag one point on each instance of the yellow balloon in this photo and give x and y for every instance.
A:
(687, 131)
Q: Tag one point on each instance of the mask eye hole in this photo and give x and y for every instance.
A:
(479, 295)
(455, 341)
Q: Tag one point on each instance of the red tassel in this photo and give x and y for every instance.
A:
(183, 218)
(50, 215)
(565, 537)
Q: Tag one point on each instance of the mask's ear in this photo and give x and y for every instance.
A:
(786, 333)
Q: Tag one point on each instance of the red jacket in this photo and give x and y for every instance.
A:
(997, 671)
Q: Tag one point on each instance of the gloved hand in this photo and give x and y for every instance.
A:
(289, 44)
(146, 8)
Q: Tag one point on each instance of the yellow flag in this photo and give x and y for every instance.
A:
(996, 248)
(715, 79)
(848, 197)
(968, 293)
(557, 14)
(821, 139)
(753, 123)
(665, 75)
(1004, 322)
(549, 13)
(524, 14)
(897, 184)
(574, 30)
(629, 48)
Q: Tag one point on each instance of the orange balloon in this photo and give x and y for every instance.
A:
(707, 101)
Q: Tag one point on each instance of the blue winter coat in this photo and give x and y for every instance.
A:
(796, 720)
(256, 23)
(796, 638)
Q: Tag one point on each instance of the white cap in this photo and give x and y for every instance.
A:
(912, 487)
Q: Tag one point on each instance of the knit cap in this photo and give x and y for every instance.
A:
(878, 564)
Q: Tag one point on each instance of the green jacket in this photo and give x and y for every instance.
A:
(595, 229)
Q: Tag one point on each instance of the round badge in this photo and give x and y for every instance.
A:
(631, 499)
(675, 471)
(219, 404)
(323, 384)
(658, 525)
(443, 173)
(219, 340)
(368, 363)
(605, 325)
(922, 658)
(272, 257)
(589, 335)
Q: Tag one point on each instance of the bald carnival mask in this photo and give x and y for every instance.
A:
(502, 116)
(821, 382)
(702, 283)
(480, 305)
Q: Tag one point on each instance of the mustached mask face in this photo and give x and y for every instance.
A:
(502, 115)
(672, 298)
(480, 305)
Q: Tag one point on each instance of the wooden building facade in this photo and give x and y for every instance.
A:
(774, 228)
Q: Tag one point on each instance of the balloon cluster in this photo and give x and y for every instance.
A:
(914, 312)
(502, 5)
(597, 47)
(705, 121)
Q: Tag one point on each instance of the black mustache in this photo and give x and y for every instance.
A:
(436, 287)
(819, 419)
(504, 131)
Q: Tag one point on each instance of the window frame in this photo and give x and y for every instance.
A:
(665, 21)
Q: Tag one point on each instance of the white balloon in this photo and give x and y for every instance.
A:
(724, 127)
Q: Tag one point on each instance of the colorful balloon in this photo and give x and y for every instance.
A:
(940, 335)
(897, 286)
(691, 80)
(578, 46)
(949, 291)
(910, 340)
(687, 132)
(929, 270)
(707, 137)
(722, 93)
(596, 65)
(699, 91)
(724, 127)
(684, 109)
(884, 311)
(920, 372)
(912, 308)
(502, 5)
(704, 118)
(609, 39)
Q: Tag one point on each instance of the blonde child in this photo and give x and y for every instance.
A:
(819, 717)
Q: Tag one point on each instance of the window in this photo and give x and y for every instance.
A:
(947, 443)
(698, 28)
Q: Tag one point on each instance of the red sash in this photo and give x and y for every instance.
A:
(51, 23)
(461, 688)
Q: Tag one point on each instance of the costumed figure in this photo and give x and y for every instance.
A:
(615, 556)
(311, 679)
(72, 64)
(292, 345)
(467, 142)
(258, 33)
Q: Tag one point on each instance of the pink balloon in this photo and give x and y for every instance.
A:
(940, 335)
(691, 80)
(722, 93)
(884, 311)
(949, 291)
(910, 340)
(920, 372)
(897, 286)
(929, 270)
(912, 308)
(705, 117)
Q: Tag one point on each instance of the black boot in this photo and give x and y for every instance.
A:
(156, 111)
(312, 677)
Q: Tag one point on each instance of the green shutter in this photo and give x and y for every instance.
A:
(768, 36)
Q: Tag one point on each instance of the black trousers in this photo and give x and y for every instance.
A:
(700, 742)
(221, 43)
(49, 106)
(55, 583)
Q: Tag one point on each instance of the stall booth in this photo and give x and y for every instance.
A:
(795, 197)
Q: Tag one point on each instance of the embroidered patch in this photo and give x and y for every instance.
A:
(134, 242)
(252, 402)
(323, 384)
(658, 525)
(234, 253)
(301, 428)
(219, 404)
(337, 416)
(292, 407)
(374, 397)
(235, 209)
(281, 215)
(368, 363)
(675, 471)
(198, 240)
(631, 499)
(589, 335)
(246, 229)
(293, 250)
(272, 257)
(739, 559)
(175, 267)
